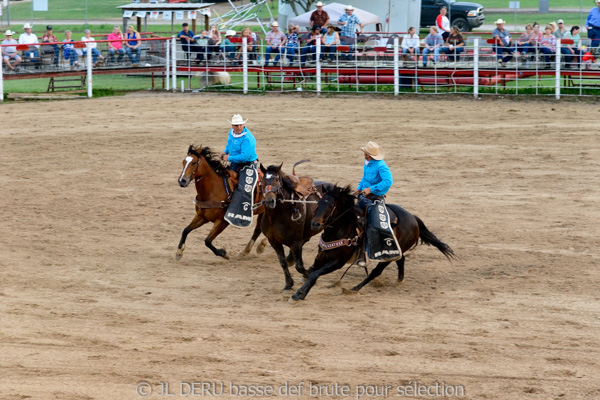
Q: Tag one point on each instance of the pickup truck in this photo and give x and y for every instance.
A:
(463, 14)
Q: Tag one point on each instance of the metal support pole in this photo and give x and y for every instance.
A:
(174, 62)
(245, 63)
(476, 68)
(318, 67)
(168, 64)
(88, 50)
(557, 60)
(396, 66)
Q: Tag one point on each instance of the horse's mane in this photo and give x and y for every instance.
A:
(343, 194)
(211, 158)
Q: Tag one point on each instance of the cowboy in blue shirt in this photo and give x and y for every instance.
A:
(348, 21)
(375, 183)
(593, 25)
(241, 145)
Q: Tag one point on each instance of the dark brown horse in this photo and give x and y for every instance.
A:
(338, 214)
(214, 188)
(286, 221)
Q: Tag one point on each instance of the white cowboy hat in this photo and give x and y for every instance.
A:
(9, 32)
(27, 26)
(349, 7)
(373, 150)
(275, 23)
(320, 4)
(230, 32)
(500, 21)
(238, 120)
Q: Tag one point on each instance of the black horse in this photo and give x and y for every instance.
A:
(285, 221)
(342, 237)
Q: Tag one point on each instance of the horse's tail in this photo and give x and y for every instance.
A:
(298, 163)
(428, 237)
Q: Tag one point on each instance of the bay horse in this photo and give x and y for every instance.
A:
(286, 222)
(214, 188)
(340, 219)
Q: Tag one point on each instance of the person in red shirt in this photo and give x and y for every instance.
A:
(443, 23)
(50, 38)
(319, 18)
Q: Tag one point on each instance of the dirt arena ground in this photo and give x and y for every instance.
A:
(93, 302)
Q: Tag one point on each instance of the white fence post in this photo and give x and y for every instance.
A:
(168, 64)
(174, 62)
(396, 66)
(476, 67)
(88, 50)
(1, 84)
(245, 63)
(318, 67)
(557, 60)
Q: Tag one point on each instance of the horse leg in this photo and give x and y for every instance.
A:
(400, 264)
(197, 222)
(255, 236)
(261, 246)
(291, 261)
(374, 274)
(217, 228)
(296, 253)
(312, 279)
(278, 247)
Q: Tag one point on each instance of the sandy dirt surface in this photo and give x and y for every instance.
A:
(92, 301)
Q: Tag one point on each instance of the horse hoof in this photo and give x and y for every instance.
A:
(222, 253)
(349, 291)
(293, 301)
(260, 250)
(179, 253)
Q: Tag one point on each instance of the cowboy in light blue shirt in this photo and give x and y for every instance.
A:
(348, 22)
(241, 144)
(377, 177)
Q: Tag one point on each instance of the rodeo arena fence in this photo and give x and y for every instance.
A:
(372, 63)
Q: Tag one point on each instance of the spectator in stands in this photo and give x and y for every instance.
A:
(348, 21)
(410, 44)
(275, 43)
(292, 44)
(214, 43)
(133, 45)
(10, 52)
(504, 43)
(443, 23)
(246, 33)
(455, 44)
(536, 35)
(188, 42)
(553, 26)
(227, 46)
(69, 50)
(548, 45)
(30, 38)
(93, 48)
(572, 52)
(433, 44)
(559, 33)
(319, 18)
(49, 37)
(330, 41)
(592, 24)
(116, 44)
(311, 44)
(524, 43)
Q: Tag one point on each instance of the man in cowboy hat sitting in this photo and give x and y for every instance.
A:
(10, 51)
(375, 183)
(275, 43)
(29, 37)
(504, 44)
(241, 153)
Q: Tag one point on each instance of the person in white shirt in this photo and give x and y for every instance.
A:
(9, 51)
(410, 44)
(443, 23)
(29, 37)
(95, 52)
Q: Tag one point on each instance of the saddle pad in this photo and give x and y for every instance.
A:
(381, 241)
(239, 212)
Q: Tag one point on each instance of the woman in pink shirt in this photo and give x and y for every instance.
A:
(548, 45)
(116, 44)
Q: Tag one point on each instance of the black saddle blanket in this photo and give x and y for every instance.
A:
(239, 212)
(381, 241)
